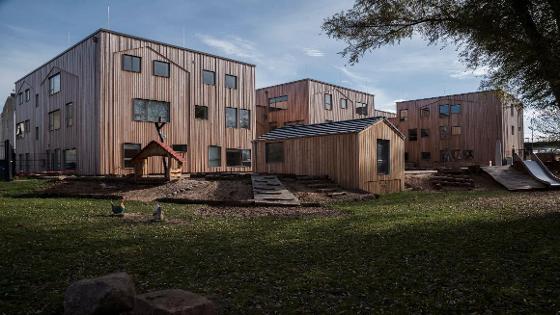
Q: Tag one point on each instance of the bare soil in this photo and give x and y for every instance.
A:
(421, 182)
(308, 194)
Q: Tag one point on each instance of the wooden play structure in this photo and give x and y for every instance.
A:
(172, 160)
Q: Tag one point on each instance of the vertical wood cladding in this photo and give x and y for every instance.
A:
(348, 159)
(485, 119)
(306, 103)
(92, 79)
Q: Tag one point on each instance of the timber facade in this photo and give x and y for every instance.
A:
(93, 107)
(361, 154)
(476, 128)
(309, 101)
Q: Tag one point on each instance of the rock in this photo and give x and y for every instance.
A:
(173, 302)
(110, 294)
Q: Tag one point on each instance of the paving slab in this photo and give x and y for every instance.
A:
(269, 190)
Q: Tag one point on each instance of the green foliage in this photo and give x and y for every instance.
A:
(517, 40)
(404, 253)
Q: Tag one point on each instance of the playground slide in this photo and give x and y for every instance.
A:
(540, 172)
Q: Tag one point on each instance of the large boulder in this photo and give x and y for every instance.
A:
(173, 302)
(110, 294)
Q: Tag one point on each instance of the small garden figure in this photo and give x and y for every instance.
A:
(158, 213)
(118, 209)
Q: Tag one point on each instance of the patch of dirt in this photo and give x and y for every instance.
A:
(307, 194)
(186, 188)
(421, 182)
(251, 212)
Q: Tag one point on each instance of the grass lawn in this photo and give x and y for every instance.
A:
(407, 252)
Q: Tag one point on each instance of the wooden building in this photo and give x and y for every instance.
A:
(7, 124)
(310, 101)
(459, 130)
(90, 109)
(362, 154)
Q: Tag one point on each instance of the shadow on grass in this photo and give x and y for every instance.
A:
(353, 263)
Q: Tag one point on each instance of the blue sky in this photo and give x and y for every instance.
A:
(283, 38)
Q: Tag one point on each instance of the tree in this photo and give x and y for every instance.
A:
(517, 40)
(547, 124)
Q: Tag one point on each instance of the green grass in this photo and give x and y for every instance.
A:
(408, 252)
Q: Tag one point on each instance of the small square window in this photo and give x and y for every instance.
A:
(426, 156)
(424, 133)
(443, 132)
(403, 115)
(361, 109)
(456, 130)
(201, 112)
(412, 134)
(231, 117)
(455, 108)
(161, 69)
(343, 103)
(233, 157)
(208, 77)
(231, 81)
(444, 111)
(131, 63)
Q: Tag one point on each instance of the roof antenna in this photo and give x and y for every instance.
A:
(108, 15)
(183, 29)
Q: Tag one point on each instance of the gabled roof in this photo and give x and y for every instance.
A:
(156, 148)
(317, 81)
(323, 129)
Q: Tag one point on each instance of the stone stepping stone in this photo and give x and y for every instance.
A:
(270, 192)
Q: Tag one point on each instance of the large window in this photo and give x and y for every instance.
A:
(455, 108)
(54, 84)
(69, 115)
(403, 115)
(214, 156)
(70, 159)
(131, 63)
(278, 103)
(231, 117)
(27, 95)
(201, 112)
(444, 111)
(328, 101)
(245, 118)
(233, 157)
(129, 151)
(231, 81)
(383, 166)
(412, 134)
(246, 157)
(208, 77)
(274, 152)
(361, 109)
(161, 69)
(54, 120)
(343, 103)
(148, 110)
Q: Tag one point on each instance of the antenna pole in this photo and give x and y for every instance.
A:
(108, 15)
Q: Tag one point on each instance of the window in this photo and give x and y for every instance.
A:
(511, 110)
(361, 109)
(20, 98)
(27, 125)
(129, 151)
(54, 84)
(343, 103)
(468, 154)
(328, 101)
(455, 108)
(36, 133)
(512, 130)
(131, 63)
(274, 152)
(383, 157)
(231, 117)
(406, 157)
(444, 156)
(426, 156)
(233, 157)
(456, 130)
(201, 112)
(443, 111)
(36, 100)
(245, 118)
(54, 120)
(148, 110)
(424, 133)
(518, 129)
(231, 81)
(443, 132)
(214, 156)
(70, 159)
(69, 115)
(56, 159)
(208, 77)
(161, 69)
(403, 114)
(457, 155)
(179, 148)
(412, 134)
(425, 112)
(20, 130)
(278, 103)
(27, 162)
(246, 157)
(27, 95)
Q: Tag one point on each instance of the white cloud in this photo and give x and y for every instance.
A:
(313, 52)
(468, 74)
(232, 46)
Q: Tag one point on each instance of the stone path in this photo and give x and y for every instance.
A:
(268, 190)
